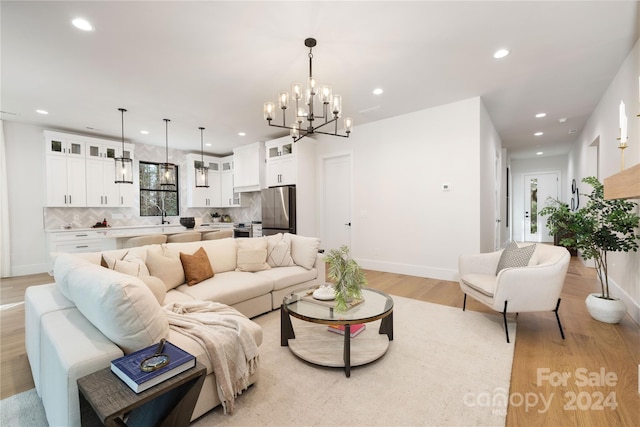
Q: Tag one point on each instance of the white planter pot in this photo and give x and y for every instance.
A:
(606, 310)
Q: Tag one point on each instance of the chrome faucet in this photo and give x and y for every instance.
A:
(164, 216)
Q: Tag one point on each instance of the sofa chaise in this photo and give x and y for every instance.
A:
(106, 304)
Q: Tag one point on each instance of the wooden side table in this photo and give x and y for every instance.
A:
(106, 400)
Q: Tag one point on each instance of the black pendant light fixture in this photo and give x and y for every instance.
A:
(202, 172)
(124, 165)
(331, 106)
(167, 170)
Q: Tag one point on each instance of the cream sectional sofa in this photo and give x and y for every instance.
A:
(106, 304)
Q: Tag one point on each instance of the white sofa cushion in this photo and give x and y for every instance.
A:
(283, 277)
(304, 250)
(229, 288)
(221, 253)
(122, 307)
(252, 255)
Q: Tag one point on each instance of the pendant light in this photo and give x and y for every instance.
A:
(167, 170)
(202, 172)
(124, 165)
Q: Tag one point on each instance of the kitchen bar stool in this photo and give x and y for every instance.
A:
(149, 239)
(218, 234)
(189, 236)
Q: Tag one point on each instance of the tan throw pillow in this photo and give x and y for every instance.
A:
(304, 250)
(196, 267)
(166, 266)
(279, 251)
(157, 287)
(252, 260)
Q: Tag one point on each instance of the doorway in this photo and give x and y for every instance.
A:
(336, 201)
(538, 188)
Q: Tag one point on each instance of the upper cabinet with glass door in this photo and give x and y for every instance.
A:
(100, 149)
(63, 145)
(279, 148)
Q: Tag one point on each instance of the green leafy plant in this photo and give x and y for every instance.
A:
(599, 227)
(347, 276)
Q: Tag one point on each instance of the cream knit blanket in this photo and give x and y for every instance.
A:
(231, 348)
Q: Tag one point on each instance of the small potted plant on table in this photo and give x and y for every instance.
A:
(347, 276)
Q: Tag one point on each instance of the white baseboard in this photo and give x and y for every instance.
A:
(24, 270)
(633, 308)
(409, 269)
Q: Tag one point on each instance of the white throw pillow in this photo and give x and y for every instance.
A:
(304, 250)
(166, 266)
(514, 256)
(252, 260)
(122, 307)
(279, 251)
(131, 264)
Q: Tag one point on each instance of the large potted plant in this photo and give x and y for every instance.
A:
(601, 226)
(346, 275)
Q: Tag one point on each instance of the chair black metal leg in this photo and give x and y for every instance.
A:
(558, 318)
(504, 317)
(464, 303)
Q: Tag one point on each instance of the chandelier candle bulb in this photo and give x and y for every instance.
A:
(623, 124)
(296, 91)
(283, 100)
(348, 124)
(268, 110)
(325, 94)
(337, 105)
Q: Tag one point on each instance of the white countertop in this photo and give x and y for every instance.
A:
(139, 230)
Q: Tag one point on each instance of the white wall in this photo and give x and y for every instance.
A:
(402, 221)
(624, 268)
(27, 196)
(490, 148)
(520, 167)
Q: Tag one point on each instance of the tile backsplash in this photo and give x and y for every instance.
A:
(55, 218)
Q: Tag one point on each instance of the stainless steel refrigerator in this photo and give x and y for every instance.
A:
(278, 210)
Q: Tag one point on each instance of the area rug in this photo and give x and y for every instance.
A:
(445, 367)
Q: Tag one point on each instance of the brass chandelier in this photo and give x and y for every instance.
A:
(331, 106)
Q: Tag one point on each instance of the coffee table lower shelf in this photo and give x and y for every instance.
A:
(318, 346)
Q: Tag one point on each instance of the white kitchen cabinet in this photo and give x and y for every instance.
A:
(249, 166)
(81, 172)
(65, 173)
(229, 197)
(279, 148)
(203, 197)
(282, 171)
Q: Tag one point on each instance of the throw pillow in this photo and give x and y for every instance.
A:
(304, 250)
(156, 286)
(514, 256)
(279, 251)
(196, 267)
(252, 260)
(130, 264)
(167, 266)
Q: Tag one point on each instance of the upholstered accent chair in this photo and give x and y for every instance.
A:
(149, 239)
(495, 280)
(188, 236)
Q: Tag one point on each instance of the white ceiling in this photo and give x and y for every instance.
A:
(214, 64)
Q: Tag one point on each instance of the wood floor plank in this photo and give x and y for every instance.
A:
(589, 345)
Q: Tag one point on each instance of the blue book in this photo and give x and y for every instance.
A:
(128, 369)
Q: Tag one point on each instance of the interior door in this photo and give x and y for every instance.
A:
(537, 189)
(337, 202)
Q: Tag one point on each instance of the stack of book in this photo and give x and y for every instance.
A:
(354, 330)
(128, 368)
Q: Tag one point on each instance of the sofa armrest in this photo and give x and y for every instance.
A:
(321, 268)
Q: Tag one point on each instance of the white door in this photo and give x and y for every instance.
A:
(537, 189)
(498, 185)
(337, 201)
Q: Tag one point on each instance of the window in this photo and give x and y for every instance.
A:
(155, 198)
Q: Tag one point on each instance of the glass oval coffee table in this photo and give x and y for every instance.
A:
(321, 347)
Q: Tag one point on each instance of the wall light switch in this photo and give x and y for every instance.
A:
(446, 187)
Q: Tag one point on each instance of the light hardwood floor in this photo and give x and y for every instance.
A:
(590, 348)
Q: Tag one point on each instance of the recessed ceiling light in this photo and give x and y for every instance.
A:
(541, 115)
(242, 134)
(42, 112)
(573, 131)
(144, 132)
(539, 153)
(501, 53)
(562, 120)
(378, 91)
(82, 24)
(539, 133)
(208, 144)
